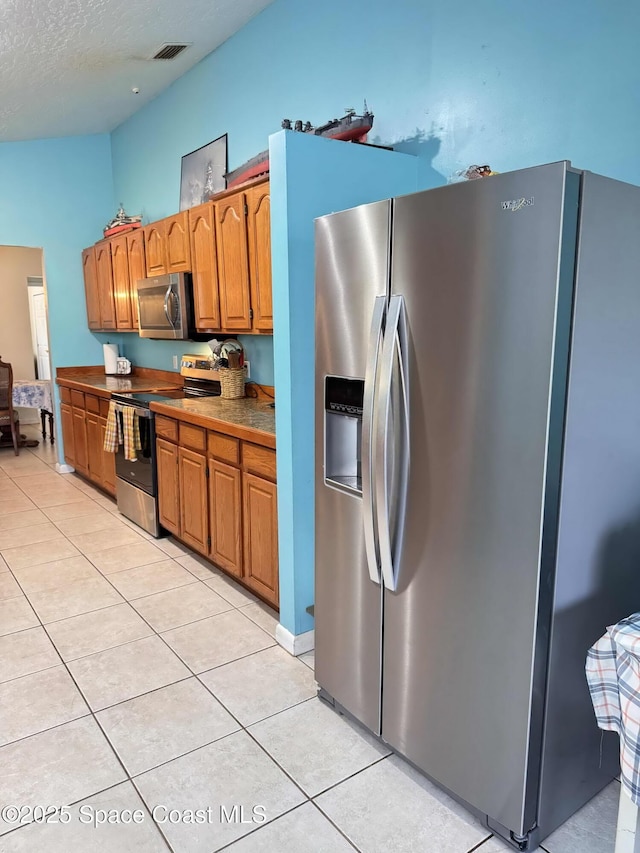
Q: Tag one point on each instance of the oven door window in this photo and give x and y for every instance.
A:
(140, 473)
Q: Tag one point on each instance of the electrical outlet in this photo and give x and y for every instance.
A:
(247, 367)
(175, 362)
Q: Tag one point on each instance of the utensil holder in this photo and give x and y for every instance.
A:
(231, 382)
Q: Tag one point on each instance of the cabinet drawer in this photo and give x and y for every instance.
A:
(259, 460)
(104, 407)
(166, 428)
(77, 399)
(92, 404)
(193, 437)
(224, 447)
(65, 395)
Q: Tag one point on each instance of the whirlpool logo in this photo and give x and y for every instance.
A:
(517, 204)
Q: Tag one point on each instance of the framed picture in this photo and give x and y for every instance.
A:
(203, 172)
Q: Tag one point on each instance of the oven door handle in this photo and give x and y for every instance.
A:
(141, 413)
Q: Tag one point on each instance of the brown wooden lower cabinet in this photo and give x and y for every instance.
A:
(223, 509)
(108, 462)
(83, 437)
(66, 416)
(225, 516)
(80, 448)
(260, 521)
(194, 525)
(94, 447)
(168, 485)
(102, 465)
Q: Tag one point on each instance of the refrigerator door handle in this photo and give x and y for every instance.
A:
(395, 340)
(368, 425)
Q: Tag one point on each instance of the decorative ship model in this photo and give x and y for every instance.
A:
(349, 128)
(121, 223)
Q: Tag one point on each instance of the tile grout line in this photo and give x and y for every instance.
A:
(242, 727)
(193, 674)
(378, 760)
(262, 719)
(92, 714)
(477, 848)
(335, 825)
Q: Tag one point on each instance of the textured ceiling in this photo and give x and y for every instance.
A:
(68, 66)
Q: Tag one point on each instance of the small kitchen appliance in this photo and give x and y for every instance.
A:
(165, 305)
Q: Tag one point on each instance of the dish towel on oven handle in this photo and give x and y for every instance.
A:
(113, 433)
(613, 674)
(131, 433)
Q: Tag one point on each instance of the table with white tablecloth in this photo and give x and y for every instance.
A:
(35, 394)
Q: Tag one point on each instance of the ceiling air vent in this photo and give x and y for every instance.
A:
(170, 51)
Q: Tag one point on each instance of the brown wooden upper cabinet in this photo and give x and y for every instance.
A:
(104, 276)
(91, 287)
(155, 248)
(137, 269)
(225, 243)
(259, 239)
(167, 245)
(205, 267)
(178, 249)
(131, 267)
(121, 285)
(111, 269)
(242, 239)
(233, 262)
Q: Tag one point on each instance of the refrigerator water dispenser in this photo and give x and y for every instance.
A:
(343, 433)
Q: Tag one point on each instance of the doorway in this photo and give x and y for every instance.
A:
(23, 318)
(39, 328)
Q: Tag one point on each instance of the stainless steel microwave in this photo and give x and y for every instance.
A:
(165, 306)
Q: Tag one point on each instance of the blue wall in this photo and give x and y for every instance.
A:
(457, 81)
(159, 354)
(310, 176)
(453, 81)
(56, 194)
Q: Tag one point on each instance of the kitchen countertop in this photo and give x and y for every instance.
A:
(246, 418)
(103, 385)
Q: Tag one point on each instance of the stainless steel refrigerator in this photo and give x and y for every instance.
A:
(477, 494)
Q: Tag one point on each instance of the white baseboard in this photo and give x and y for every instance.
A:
(295, 644)
(63, 468)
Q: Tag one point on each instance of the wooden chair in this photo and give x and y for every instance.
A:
(8, 418)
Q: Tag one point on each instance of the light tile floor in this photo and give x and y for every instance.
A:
(135, 676)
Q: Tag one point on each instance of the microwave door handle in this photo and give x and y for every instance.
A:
(166, 305)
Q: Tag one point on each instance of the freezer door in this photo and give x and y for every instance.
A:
(481, 267)
(352, 274)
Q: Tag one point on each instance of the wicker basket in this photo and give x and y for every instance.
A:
(231, 382)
